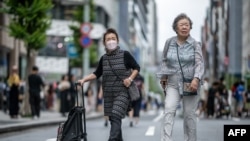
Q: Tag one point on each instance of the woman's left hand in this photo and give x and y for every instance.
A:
(194, 84)
(127, 82)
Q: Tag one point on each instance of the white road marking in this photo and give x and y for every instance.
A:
(150, 131)
(52, 139)
(151, 112)
(235, 119)
(159, 117)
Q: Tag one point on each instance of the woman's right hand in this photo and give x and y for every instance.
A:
(164, 83)
(81, 81)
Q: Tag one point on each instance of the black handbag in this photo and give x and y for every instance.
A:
(133, 90)
(186, 81)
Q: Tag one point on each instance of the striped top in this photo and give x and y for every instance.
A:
(191, 60)
(116, 98)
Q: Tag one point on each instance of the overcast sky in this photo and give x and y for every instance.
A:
(167, 10)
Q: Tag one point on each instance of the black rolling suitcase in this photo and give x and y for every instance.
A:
(74, 128)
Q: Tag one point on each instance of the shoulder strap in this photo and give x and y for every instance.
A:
(165, 51)
(113, 69)
(195, 43)
(179, 62)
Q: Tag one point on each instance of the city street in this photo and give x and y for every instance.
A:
(148, 129)
(59, 54)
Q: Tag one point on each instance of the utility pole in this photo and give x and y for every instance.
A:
(86, 49)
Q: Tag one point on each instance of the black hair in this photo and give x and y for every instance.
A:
(63, 76)
(215, 83)
(35, 68)
(110, 30)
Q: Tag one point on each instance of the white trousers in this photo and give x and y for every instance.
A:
(189, 105)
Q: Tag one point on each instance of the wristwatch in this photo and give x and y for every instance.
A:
(131, 80)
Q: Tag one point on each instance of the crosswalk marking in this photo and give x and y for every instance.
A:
(150, 131)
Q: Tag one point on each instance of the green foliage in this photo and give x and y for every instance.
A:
(78, 17)
(93, 55)
(29, 21)
(153, 84)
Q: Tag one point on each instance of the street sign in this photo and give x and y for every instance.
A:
(72, 52)
(85, 41)
(86, 28)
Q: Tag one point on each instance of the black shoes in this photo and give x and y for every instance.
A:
(106, 123)
(131, 124)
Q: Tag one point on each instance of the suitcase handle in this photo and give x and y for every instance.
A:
(84, 118)
(79, 84)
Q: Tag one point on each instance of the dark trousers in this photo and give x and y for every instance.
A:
(13, 101)
(35, 101)
(210, 106)
(116, 130)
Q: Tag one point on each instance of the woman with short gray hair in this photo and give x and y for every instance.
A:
(180, 76)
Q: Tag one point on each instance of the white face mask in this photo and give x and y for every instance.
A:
(111, 44)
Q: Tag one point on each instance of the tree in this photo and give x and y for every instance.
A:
(29, 22)
(78, 17)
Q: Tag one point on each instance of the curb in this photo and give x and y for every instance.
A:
(24, 126)
(38, 123)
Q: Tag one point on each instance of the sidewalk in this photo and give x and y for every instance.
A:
(47, 118)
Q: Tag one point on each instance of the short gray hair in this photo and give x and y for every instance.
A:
(180, 17)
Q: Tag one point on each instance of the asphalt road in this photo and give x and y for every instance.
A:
(148, 129)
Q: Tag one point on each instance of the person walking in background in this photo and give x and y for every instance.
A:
(100, 104)
(99, 98)
(22, 87)
(233, 90)
(35, 83)
(73, 91)
(89, 95)
(118, 69)
(134, 114)
(247, 101)
(13, 83)
(182, 55)
(222, 100)
(212, 92)
(50, 98)
(222, 88)
(2, 89)
(239, 95)
(64, 87)
(6, 90)
(202, 108)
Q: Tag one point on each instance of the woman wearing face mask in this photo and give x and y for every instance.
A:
(182, 60)
(114, 63)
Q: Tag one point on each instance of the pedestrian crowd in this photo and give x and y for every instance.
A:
(57, 96)
(218, 101)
